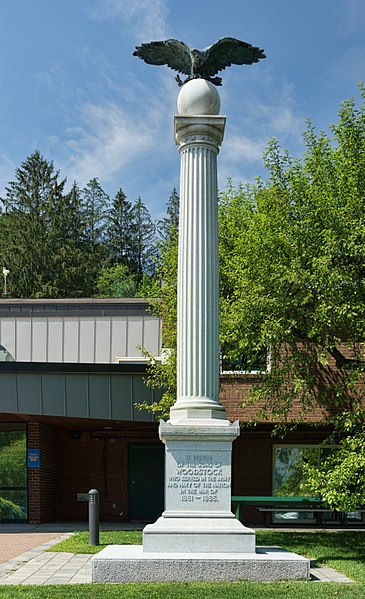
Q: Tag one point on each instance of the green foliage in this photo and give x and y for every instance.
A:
(95, 203)
(59, 245)
(293, 279)
(116, 281)
(12, 460)
(143, 249)
(9, 510)
(339, 479)
(162, 374)
(149, 287)
(13, 473)
(292, 269)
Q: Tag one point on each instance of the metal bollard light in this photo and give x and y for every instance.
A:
(93, 517)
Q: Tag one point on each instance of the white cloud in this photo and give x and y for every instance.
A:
(266, 109)
(109, 137)
(146, 19)
(106, 140)
(279, 116)
(280, 119)
(258, 122)
(238, 148)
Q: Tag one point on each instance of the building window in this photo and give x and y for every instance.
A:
(287, 476)
(242, 364)
(13, 473)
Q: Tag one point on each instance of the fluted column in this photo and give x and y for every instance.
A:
(199, 138)
(198, 437)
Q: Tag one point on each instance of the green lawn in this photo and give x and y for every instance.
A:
(344, 551)
(79, 542)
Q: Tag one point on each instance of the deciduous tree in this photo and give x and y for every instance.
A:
(292, 273)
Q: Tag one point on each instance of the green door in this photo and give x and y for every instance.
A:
(146, 481)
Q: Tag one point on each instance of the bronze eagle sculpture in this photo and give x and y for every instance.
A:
(203, 64)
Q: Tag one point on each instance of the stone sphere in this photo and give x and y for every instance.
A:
(198, 97)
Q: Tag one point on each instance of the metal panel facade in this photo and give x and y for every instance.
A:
(87, 340)
(82, 333)
(66, 357)
(55, 340)
(23, 340)
(39, 340)
(83, 395)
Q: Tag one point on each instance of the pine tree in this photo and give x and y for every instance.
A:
(95, 205)
(119, 231)
(42, 235)
(170, 224)
(143, 241)
(29, 231)
(71, 251)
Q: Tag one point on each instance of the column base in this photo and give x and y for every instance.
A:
(198, 535)
(198, 409)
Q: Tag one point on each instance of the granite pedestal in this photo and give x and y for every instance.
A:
(128, 563)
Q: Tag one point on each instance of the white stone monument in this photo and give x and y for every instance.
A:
(198, 436)
(197, 537)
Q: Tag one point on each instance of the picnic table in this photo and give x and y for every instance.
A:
(267, 504)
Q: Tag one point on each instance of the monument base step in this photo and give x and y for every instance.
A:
(198, 535)
(128, 563)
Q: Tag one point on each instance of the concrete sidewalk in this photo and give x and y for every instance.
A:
(35, 566)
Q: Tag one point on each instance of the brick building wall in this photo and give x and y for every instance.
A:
(235, 389)
(41, 481)
(74, 463)
(94, 460)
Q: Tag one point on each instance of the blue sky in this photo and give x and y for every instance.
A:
(70, 86)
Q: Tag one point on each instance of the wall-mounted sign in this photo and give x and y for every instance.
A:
(34, 458)
(82, 496)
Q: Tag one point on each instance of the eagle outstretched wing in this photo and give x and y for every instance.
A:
(227, 51)
(173, 53)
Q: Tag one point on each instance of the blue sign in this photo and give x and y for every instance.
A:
(34, 458)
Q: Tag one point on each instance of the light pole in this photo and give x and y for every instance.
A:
(5, 274)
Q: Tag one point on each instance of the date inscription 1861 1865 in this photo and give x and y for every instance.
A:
(199, 478)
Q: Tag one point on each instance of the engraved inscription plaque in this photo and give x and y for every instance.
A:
(198, 480)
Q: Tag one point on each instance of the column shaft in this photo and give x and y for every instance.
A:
(198, 284)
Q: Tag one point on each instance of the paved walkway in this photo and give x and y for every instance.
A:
(29, 564)
(38, 567)
(13, 544)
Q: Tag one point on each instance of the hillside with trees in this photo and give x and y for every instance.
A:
(76, 244)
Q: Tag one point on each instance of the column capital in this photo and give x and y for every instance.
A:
(199, 129)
